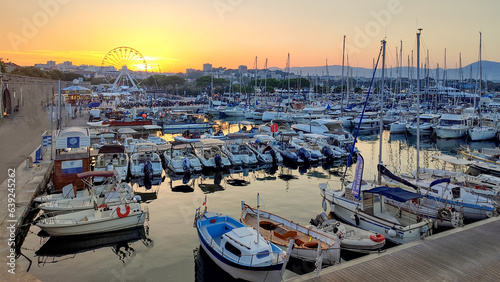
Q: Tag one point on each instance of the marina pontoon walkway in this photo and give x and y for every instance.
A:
(471, 253)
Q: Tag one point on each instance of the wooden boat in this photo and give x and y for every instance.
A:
(239, 250)
(280, 231)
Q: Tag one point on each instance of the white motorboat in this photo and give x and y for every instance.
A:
(209, 152)
(427, 124)
(264, 152)
(99, 219)
(314, 151)
(239, 250)
(280, 231)
(370, 121)
(179, 158)
(352, 238)
(112, 157)
(283, 127)
(330, 147)
(481, 133)
(145, 152)
(237, 151)
(398, 127)
(451, 126)
(129, 143)
(327, 127)
(114, 192)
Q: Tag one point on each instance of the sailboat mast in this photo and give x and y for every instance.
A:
(265, 80)
(400, 70)
(258, 218)
(347, 80)
(381, 110)
(255, 78)
(418, 101)
(480, 67)
(342, 81)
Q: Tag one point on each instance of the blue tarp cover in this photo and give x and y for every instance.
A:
(396, 194)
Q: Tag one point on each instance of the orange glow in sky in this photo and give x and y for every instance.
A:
(176, 35)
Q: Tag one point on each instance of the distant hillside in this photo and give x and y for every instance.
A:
(491, 71)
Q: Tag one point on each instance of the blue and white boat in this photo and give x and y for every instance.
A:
(239, 250)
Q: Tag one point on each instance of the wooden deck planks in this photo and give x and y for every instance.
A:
(471, 253)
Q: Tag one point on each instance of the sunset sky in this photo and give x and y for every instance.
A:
(175, 35)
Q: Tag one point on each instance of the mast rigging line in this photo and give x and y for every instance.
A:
(349, 161)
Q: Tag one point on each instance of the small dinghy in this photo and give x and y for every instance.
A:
(239, 250)
(352, 238)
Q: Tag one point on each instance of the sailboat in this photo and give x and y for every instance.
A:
(483, 131)
(364, 205)
(445, 202)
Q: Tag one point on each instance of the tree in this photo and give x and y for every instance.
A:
(2, 66)
(31, 71)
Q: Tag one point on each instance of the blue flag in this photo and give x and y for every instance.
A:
(358, 176)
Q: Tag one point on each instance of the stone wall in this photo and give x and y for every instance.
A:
(29, 91)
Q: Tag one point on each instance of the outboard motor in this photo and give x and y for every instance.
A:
(327, 152)
(304, 154)
(273, 155)
(186, 165)
(148, 174)
(218, 161)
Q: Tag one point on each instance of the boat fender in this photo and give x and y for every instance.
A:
(392, 233)
(213, 220)
(103, 206)
(324, 204)
(127, 211)
(377, 238)
(444, 213)
(356, 219)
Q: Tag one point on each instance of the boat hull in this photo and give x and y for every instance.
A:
(266, 273)
(450, 132)
(346, 210)
(94, 226)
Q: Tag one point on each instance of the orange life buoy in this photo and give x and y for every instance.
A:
(127, 211)
(377, 238)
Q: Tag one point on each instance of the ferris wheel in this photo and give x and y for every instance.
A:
(128, 62)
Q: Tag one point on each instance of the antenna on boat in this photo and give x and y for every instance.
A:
(258, 219)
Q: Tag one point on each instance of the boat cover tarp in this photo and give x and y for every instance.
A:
(107, 173)
(394, 193)
(442, 180)
(112, 149)
(383, 170)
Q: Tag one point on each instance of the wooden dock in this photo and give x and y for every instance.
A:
(470, 253)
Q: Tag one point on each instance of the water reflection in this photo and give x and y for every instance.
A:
(206, 270)
(207, 187)
(57, 249)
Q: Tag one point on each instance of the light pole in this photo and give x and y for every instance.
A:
(1, 95)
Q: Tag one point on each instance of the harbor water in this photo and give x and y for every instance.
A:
(167, 250)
